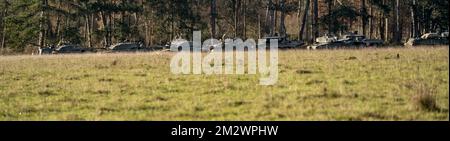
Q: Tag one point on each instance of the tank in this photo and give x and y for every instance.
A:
(429, 39)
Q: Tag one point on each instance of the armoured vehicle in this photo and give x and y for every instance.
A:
(178, 43)
(444, 35)
(347, 41)
(158, 48)
(64, 49)
(429, 39)
(45, 51)
(128, 47)
(284, 43)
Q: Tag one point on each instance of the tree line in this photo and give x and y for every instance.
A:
(28, 24)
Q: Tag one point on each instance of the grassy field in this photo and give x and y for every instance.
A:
(367, 84)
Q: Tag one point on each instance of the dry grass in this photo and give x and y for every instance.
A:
(425, 99)
(368, 84)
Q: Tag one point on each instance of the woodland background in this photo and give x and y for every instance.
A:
(28, 24)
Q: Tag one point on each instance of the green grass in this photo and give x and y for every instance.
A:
(368, 84)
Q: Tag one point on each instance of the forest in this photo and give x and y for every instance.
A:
(28, 24)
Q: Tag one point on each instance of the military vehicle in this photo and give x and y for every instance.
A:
(128, 47)
(444, 35)
(284, 43)
(65, 49)
(45, 51)
(361, 40)
(429, 39)
(178, 43)
(349, 40)
(158, 48)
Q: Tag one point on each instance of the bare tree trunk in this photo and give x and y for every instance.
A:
(213, 18)
(413, 20)
(386, 29)
(58, 27)
(371, 21)
(151, 28)
(91, 28)
(275, 15)
(272, 18)
(136, 26)
(259, 26)
(364, 17)
(146, 42)
(107, 24)
(151, 33)
(305, 18)
(3, 37)
(283, 16)
(381, 27)
(88, 31)
(172, 25)
(299, 16)
(111, 28)
(267, 19)
(58, 23)
(3, 28)
(41, 24)
(330, 5)
(316, 19)
(386, 24)
(124, 20)
(86, 28)
(397, 22)
(105, 27)
(244, 22)
(237, 5)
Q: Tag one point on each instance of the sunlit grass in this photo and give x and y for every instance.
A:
(367, 84)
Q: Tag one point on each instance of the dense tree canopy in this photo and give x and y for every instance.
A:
(28, 24)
